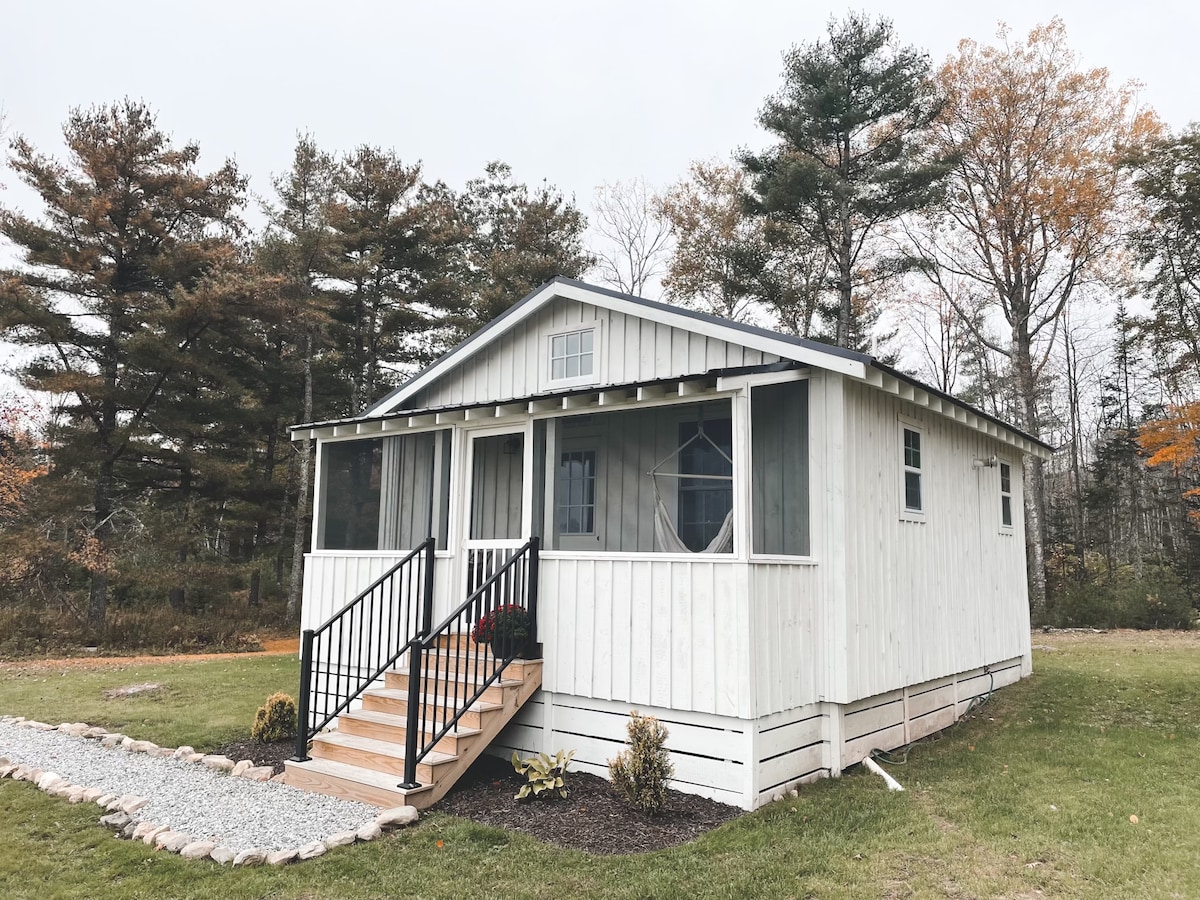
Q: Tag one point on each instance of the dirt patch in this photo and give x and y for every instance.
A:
(275, 647)
(260, 754)
(593, 817)
(132, 690)
(1129, 639)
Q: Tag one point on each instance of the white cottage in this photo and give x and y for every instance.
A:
(789, 553)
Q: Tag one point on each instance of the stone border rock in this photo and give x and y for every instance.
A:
(121, 809)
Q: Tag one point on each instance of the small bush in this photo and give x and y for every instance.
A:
(543, 775)
(275, 720)
(641, 773)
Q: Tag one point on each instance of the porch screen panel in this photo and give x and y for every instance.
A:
(779, 469)
(496, 487)
(350, 492)
(409, 490)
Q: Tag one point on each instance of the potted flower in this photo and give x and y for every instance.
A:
(505, 629)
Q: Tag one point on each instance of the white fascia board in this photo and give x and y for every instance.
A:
(764, 343)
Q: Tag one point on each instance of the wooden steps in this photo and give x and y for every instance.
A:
(363, 759)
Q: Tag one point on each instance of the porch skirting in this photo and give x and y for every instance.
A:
(748, 763)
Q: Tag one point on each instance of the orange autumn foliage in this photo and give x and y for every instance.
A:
(17, 471)
(1174, 441)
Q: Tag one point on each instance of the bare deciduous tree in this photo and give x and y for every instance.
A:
(636, 236)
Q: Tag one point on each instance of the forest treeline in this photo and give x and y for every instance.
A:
(1009, 226)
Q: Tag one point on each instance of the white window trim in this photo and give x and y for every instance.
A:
(547, 344)
(1011, 494)
(903, 423)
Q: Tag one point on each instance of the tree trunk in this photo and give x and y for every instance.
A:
(1035, 482)
(102, 530)
(295, 583)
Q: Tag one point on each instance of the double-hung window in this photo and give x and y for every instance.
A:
(912, 470)
(1006, 510)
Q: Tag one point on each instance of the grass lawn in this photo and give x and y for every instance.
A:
(1031, 798)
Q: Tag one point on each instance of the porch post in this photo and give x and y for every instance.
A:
(740, 403)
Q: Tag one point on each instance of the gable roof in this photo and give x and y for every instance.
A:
(860, 366)
(802, 350)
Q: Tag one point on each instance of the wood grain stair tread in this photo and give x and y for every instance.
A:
(401, 694)
(383, 718)
(457, 678)
(381, 748)
(367, 777)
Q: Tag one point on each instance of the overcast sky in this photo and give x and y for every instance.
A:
(577, 93)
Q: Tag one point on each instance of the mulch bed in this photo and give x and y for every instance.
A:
(260, 754)
(593, 817)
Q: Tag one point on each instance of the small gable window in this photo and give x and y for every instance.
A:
(572, 355)
(1006, 510)
(913, 496)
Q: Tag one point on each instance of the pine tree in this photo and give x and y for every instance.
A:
(851, 118)
(122, 281)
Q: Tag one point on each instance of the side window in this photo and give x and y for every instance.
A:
(912, 471)
(1006, 510)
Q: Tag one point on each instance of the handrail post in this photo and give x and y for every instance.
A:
(534, 543)
(414, 718)
(306, 662)
(427, 598)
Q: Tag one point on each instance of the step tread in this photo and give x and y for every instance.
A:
(363, 776)
(383, 718)
(381, 748)
(402, 694)
(455, 678)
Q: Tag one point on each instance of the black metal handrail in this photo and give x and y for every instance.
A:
(361, 641)
(445, 696)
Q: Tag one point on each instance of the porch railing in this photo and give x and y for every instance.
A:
(361, 641)
(452, 670)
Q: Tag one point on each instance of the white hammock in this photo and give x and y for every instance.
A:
(665, 534)
(670, 542)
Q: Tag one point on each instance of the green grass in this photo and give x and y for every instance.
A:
(204, 704)
(1033, 795)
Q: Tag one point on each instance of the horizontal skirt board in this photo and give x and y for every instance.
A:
(857, 750)
(929, 701)
(788, 737)
(793, 766)
(873, 719)
(683, 738)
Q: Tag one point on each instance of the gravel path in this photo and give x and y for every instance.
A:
(207, 805)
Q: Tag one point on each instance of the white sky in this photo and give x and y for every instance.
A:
(577, 93)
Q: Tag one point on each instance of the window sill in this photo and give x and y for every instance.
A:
(908, 515)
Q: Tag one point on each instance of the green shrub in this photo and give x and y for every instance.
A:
(1157, 599)
(275, 720)
(543, 775)
(641, 773)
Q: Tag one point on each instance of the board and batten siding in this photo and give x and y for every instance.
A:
(925, 599)
(668, 633)
(516, 363)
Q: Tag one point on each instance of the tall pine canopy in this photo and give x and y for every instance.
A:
(851, 118)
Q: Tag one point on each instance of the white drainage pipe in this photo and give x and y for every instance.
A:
(892, 783)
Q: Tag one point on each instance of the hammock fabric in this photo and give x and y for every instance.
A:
(669, 540)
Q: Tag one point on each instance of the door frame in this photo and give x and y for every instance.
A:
(466, 472)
